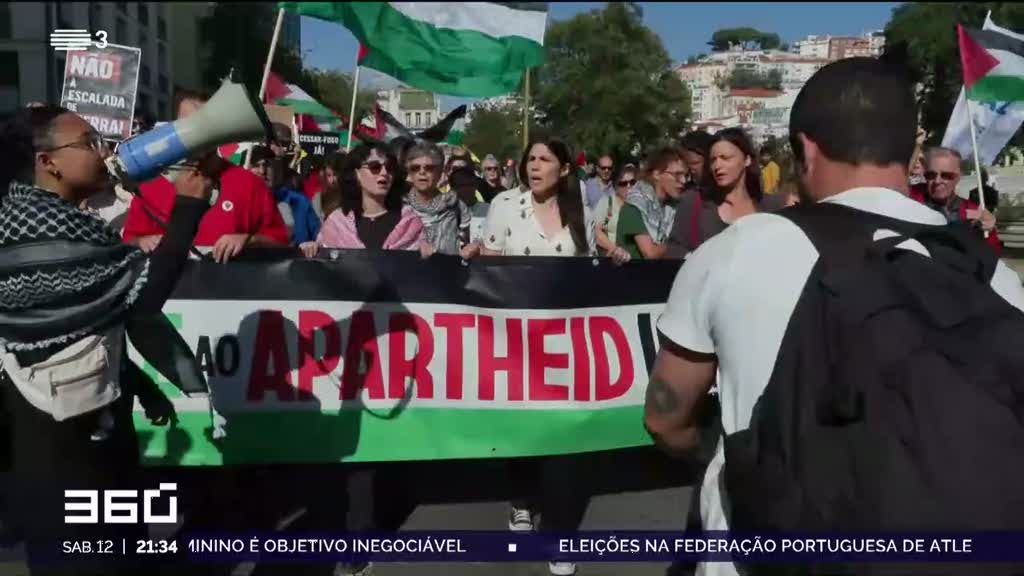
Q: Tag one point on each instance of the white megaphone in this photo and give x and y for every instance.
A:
(231, 115)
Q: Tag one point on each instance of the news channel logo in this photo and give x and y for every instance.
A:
(76, 40)
(119, 506)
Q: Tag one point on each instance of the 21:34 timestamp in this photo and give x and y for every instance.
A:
(156, 546)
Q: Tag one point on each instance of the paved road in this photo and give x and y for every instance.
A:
(635, 489)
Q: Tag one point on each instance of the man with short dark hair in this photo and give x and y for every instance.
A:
(245, 213)
(600, 185)
(734, 297)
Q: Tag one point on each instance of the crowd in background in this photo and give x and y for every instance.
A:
(426, 196)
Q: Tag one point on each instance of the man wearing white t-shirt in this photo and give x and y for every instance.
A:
(852, 130)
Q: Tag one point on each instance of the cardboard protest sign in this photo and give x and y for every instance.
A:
(319, 143)
(100, 86)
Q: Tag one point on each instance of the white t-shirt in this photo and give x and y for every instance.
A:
(512, 229)
(734, 296)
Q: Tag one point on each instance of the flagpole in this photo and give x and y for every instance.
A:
(267, 67)
(526, 109)
(977, 161)
(352, 109)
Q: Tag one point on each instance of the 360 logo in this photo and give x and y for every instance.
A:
(119, 506)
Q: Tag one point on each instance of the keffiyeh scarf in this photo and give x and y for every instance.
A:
(657, 217)
(64, 273)
(441, 217)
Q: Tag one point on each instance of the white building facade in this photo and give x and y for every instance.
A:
(415, 109)
(715, 106)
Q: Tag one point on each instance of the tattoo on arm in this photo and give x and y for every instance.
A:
(661, 396)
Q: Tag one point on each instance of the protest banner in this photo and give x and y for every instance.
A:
(375, 357)
(319, 143)
(100, 86)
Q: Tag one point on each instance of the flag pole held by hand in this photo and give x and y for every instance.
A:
(266, 70)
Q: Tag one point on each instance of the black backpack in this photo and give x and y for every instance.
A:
(896, 403)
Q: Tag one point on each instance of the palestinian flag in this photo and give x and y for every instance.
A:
(234, 153)
(476, 49)
(993, 65)
(283, 94)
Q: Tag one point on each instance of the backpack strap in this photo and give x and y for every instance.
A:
(839, 232)
(842, 234)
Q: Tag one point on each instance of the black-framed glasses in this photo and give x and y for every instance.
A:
(948, 176)
(375, 167)
(490, 168)
(417, 168)
(622, 183)
(93, 141)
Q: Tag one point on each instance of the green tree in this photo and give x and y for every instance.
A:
(608, 84)
(924, 33)
(746, 37)
(334, 90)
(742, 78)
(237, 36)
(497, 130)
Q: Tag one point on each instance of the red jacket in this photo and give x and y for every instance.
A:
(919, 194)
(245, 206)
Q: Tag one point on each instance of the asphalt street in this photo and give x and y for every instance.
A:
(633, 489)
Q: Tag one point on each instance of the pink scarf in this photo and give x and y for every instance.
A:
(339, 231)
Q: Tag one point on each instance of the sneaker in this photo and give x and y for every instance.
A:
(521, 520)
(562, 568)
(360, 569)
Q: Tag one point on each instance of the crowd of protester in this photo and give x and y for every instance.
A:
(667, 206)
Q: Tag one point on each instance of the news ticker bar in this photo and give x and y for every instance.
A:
(619, 546)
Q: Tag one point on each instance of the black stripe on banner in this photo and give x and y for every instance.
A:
(488, 282)
(992, 40)
(525, 6)
(643, 323)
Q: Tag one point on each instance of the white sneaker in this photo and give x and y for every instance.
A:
(520, 520)
(562, 568)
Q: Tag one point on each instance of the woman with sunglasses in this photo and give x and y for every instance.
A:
(372, 214)
(445, 217)
(609, 206)
(70, 291)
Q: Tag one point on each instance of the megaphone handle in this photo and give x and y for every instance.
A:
(159, 221)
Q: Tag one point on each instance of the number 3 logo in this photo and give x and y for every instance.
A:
(102, 35)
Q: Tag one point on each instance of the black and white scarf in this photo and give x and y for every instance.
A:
(64, 273)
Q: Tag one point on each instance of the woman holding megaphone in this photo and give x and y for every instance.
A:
(69, 291)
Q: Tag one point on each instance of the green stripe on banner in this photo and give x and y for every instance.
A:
(997, 89)
(359, 436)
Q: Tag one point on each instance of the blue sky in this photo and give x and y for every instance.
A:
(684, 28)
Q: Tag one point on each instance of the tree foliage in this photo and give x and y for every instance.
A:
(334, 90)
(747, 38)
(497, 130)
(743, 78)
(237, 36)
(608, 83)
(925, 34)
